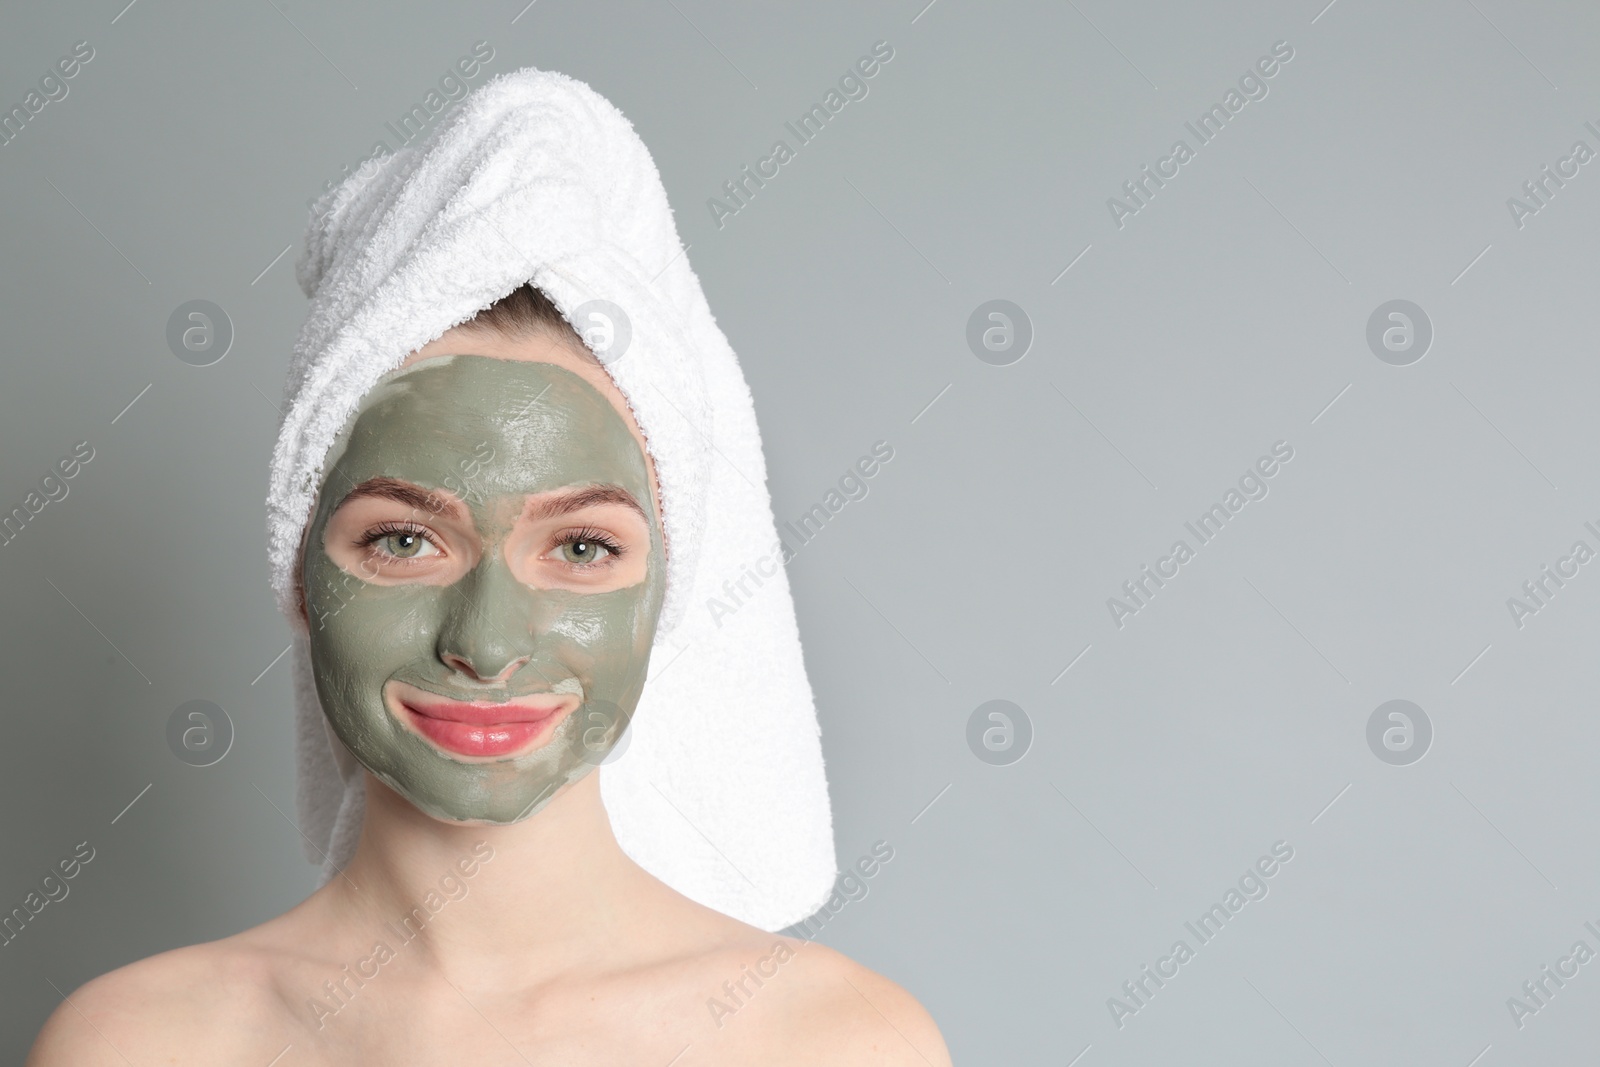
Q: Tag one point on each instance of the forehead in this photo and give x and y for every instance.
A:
(518, 426)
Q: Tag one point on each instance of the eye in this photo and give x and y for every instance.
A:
(404, 545)
(399, 541)
(585, 548)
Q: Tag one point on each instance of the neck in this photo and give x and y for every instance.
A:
(534, 897)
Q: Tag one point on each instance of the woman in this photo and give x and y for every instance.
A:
(482, 536)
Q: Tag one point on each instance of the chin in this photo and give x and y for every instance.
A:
(491, 807)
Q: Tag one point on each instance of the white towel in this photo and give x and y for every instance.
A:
(720, 792)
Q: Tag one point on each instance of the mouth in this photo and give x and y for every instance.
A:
(487, 730)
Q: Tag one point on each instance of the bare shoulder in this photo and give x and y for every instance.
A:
(816, 1005)
(205, 1003)
(873, 1018)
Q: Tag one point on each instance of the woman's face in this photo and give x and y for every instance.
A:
(482, 575)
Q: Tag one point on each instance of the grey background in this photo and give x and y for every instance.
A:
(1224, 317)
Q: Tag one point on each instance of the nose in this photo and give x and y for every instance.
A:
(487, 633)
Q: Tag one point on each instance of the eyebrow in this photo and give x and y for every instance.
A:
(565, 503)
(404, 493)
(562, 503)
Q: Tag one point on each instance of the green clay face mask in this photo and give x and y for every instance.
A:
(483, 574)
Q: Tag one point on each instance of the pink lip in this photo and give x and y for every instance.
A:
(479, 729)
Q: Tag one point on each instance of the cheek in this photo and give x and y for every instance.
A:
(605, 636)
(362, 633)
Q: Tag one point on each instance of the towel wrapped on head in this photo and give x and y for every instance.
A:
(537, 178)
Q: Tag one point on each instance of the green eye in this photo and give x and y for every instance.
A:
(402, 545)
(583, 552)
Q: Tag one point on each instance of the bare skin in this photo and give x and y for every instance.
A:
(589, 960)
